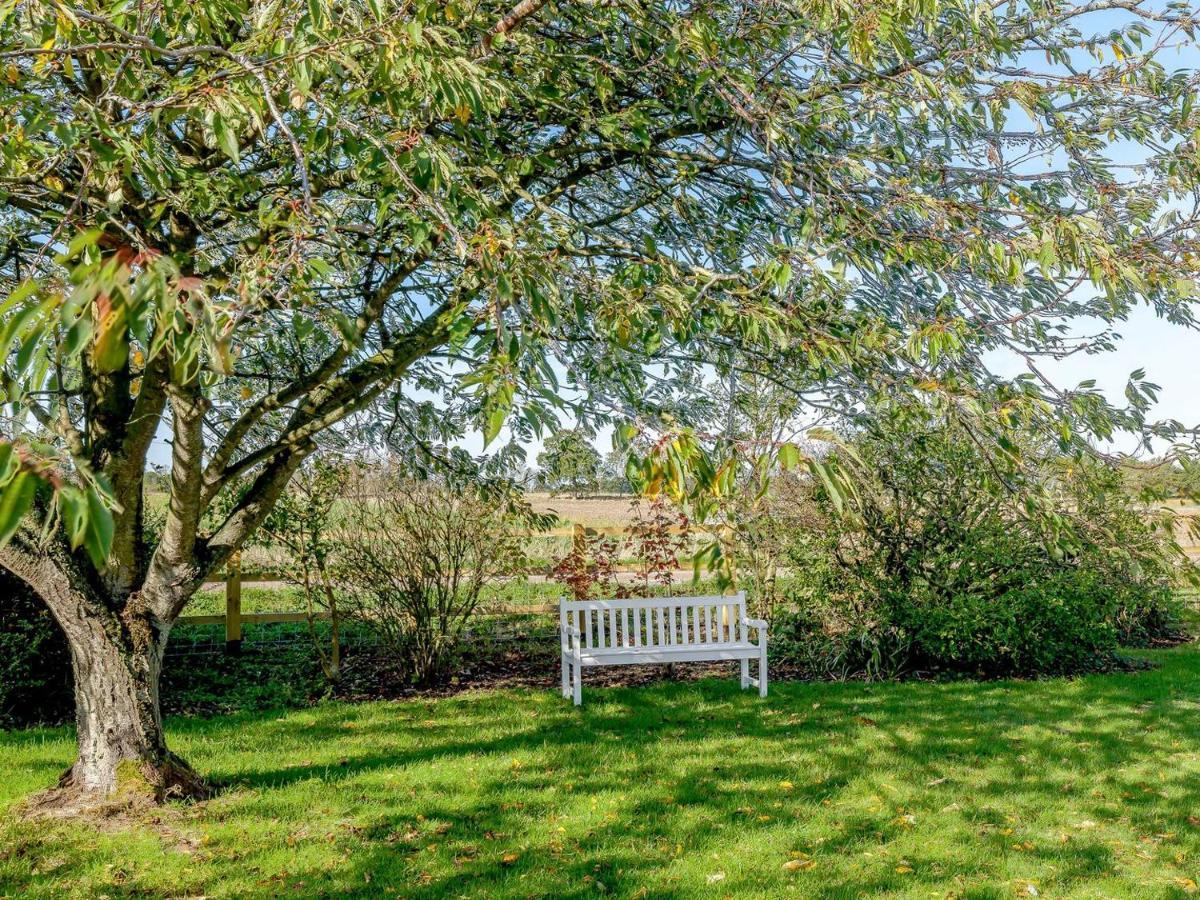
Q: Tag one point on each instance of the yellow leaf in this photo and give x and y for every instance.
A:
(44, 60)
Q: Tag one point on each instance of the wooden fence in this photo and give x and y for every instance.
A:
(235, 620)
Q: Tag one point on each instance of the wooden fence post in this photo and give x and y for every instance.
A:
(233, 604)
(579, 539)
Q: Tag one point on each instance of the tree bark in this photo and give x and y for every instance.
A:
(123, 751)
(116, 656)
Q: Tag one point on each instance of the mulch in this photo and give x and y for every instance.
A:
(374, 677)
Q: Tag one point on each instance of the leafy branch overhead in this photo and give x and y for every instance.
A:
(270, 217)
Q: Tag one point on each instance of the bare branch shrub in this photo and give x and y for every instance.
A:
(414, 558)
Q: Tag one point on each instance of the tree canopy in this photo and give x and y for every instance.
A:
(569, 462)
(262, 225)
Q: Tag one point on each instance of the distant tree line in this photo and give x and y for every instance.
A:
(1163, 479)
(569, 463)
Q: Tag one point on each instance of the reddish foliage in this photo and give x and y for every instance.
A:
(590, 569)
(658, 535)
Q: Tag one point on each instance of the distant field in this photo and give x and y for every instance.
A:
(591, 512)
(617, 512)
(1187, 537)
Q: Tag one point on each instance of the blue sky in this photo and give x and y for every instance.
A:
(1170, 355)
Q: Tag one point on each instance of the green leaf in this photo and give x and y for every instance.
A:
(226, 137)
(495, 421)
(73, 510)
(9, 463)
(15, 499)
(789, 456)
(98, 541)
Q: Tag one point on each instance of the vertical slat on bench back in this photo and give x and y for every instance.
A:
(662, 622)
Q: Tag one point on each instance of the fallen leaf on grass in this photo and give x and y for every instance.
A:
(799, 865)
(716, 877)
(509, 858)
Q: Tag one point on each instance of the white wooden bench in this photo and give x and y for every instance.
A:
(658, 630)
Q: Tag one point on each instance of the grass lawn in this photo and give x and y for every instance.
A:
(1081, 788)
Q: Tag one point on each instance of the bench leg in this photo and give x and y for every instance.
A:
(566, 676)
(745, 673)
(577, 686)
(762, 672)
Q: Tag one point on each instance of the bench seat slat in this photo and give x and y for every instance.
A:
(678, 653)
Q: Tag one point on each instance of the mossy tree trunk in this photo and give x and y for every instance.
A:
(122, 746)
(117, 647)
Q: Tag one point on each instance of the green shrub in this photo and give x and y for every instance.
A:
(1131, 553)
(413, 562)
(873, 650)
(35, 668)
(1058, 622)
(938, 563)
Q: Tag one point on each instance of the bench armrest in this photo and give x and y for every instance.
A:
(572, 636)
(760, 624)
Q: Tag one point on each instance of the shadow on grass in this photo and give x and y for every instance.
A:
(519, 794)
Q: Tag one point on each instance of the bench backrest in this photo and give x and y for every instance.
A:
(656, 621)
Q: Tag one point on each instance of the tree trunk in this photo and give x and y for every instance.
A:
(123, 753)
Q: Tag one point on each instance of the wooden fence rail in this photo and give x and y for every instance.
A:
(234, 619)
